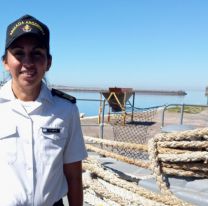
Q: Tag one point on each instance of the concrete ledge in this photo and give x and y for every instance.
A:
(192, 190)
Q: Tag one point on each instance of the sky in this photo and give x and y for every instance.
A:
(142, 44)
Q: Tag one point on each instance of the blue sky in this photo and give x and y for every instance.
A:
(143, 44)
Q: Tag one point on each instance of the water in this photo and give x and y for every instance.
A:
(91, 108)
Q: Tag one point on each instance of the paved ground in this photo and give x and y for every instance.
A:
(91, 127)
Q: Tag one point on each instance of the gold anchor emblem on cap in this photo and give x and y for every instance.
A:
(27, 28)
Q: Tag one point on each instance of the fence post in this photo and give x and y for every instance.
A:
(182, 111)
(101, 124)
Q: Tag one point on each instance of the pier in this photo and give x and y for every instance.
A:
(138, 91)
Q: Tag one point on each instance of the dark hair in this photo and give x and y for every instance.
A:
(3, 56)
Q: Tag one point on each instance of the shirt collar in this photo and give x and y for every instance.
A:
(45, 94)
(6, 93)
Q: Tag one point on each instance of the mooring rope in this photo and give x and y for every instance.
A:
(190, 135)
(191, 166)
(107, 191)
(193, 156)
(169, 169)
(178, 153)
(96, 169)
(102, 191)
(129, 146)
(139, 163)
(184, 144)
(117, 144)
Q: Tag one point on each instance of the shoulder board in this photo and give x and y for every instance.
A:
(63, 95)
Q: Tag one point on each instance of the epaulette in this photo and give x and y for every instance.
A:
(63, 95)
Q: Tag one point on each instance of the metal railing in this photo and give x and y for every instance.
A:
(100, 123)
(182, 110)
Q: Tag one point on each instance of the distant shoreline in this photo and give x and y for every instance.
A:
(137, 91)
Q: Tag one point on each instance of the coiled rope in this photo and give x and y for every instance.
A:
(178, 153)
(193, 161)
(96, 169)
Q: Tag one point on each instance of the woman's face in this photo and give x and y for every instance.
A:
(27, 61)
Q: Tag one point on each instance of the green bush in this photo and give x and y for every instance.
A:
(187, 109)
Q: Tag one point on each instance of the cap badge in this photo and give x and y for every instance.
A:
(27, 28)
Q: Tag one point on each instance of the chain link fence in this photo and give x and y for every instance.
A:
(133, 128)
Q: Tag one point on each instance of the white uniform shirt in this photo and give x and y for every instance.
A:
(35, 141)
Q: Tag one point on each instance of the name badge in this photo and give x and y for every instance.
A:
(51, 130)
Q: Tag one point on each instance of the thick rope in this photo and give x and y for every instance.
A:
(184, 144)
(192, 166)
(139, 163)
(102, 191)
(142, 163)
(197, 134)
(123, 145)
(178, 140)
(179, 153)
(108, 192)
(187, 157)
(184, 173)
(155, 167)
(126, 145)
(115, 180)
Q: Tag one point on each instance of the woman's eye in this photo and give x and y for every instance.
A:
(37, 53)
(18, 53)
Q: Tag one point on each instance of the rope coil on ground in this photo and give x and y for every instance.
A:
(178, 153)
(110, 177)
(165, 152)
(193, 156)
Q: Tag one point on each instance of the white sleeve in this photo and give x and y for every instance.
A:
(75, 147)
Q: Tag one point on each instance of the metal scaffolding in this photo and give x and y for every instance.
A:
(118, 101)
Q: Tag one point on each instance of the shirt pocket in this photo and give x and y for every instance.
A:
(8, 144)
(53, 143)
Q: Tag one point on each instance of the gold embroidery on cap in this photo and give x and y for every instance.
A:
(27, 28)
(15, 27)
(28, 23)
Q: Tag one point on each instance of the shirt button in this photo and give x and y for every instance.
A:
(29, 194)
(28, 168)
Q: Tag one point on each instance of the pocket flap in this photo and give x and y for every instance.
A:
(7, 131)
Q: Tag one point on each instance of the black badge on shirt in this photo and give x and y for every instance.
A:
(46, 130)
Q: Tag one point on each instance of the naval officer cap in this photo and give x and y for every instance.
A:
(27, 25)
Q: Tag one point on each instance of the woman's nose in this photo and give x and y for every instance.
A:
(28, 60)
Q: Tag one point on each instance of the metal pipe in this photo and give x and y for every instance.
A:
(163, 115)
(182, 111)
(132, 108)
(101, 131)
(100, 108)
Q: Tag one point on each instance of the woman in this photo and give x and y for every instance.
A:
(41, 143)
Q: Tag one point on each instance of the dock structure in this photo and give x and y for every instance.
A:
(139, 91)
(117, 99)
